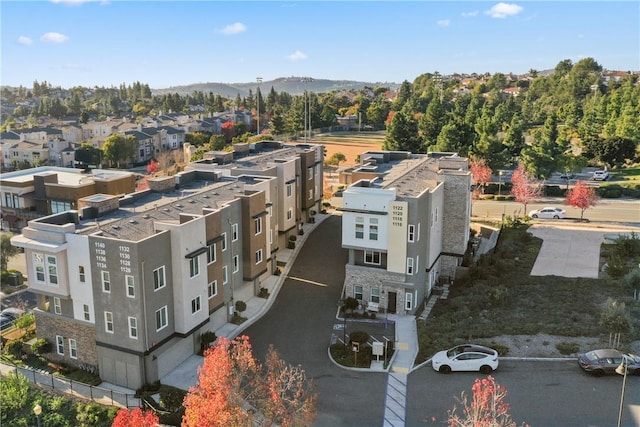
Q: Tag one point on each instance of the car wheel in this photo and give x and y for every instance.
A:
(485, 369)
(444, 369)
(598, 372)
(534, 216)
(556, 217)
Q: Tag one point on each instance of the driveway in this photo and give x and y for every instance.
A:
(572, 250)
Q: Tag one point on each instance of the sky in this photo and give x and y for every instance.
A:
(170, 43)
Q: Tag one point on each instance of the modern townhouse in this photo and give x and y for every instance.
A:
(32, 193)
(405, 222)
(126, 285)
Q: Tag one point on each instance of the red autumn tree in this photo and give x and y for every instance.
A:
(228, 129)
(233, 389)
(135, 418)
(152, 167)
(581, 196)
(524, 187)
(480, 172)
(487, 407)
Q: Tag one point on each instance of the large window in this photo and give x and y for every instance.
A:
(38, 263)
(57, 305)
(161, 318)
(195, 305)
(81, 274)
(359, 227)
(52, 266)
(86, 312)
(372, 257)
(375, 294)
(108, 322)
(158, 278)
(131, 287)
(212, 289)
(357, 292)
(106, 281)
(73, 348)
(258, 225)
(211, 253)
(373, 228)
(60, 345)
(194, 266)
(48, 264)
(57, 206)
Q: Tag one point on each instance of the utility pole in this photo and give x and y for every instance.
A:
(307, 110)
(258, 80)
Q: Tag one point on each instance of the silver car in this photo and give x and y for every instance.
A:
(548, 213)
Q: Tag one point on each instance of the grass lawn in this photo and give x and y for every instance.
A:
(499, 297)
(627, 174)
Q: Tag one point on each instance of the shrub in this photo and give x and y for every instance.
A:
(277, 271)
(241, 306)
(171, 398)
(616, 265)
(293, 238)
(13, 348)
(264, 293)
(350, 304)
(40, 347)
(568, 348)
(359, 337)
(629, 245)
(633, 279)
(301, 232)
(291, 244)
(206, 338)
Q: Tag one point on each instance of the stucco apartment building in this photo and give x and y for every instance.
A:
(405, 222)
(126, 285)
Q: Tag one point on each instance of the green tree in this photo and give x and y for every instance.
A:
(402, 133)
(217, 142)
(87, 154)
(120, 149)
(430, 124)
(7, 250)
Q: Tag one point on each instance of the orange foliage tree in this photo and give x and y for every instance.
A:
(524, 188)
(581, 196)
(135, 418)
(233, 389)
(152, 167)
(487, 407)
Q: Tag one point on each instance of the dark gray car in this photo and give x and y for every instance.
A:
(605, 361)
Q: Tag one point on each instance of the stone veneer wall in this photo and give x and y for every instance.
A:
(162, 183)
(456, 219)
(48, 326)
(371, 277)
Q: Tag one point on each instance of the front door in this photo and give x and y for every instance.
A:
(391, 304)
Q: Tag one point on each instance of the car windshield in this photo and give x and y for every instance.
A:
(455, 351)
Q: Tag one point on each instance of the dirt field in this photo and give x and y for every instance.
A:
(351, 144)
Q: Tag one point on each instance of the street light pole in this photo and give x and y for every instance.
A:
(622, 370)
(37, 410)
(499, 182)
(306, 99)
(258, 80)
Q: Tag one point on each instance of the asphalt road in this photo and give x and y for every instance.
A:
(606, 210)
(300, 323)
(540, 393)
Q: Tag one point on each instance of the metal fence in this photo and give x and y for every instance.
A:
(96, 394)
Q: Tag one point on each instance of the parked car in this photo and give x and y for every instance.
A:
(6, 322)
(600, 175)
(549, 213)
(466, 357)
(605, 361)
(12, 312)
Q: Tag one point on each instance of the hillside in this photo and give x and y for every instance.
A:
(292, 85)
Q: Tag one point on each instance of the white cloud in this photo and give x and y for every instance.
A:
(443, 23)
(232, 29)
(53, 38)
(24, 40)
(504, 10)
(297, 56)
(468, 14)
(71, 2)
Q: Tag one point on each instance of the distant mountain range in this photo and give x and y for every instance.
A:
(290, 85)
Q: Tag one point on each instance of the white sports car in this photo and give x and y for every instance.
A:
(466, 357)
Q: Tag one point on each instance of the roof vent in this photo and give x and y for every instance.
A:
(133, 221)
(166, 209)
(146, 216)
(116, 227)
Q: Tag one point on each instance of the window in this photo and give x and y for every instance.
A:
(212, 289)
(375, 294)
(131, 288)
(409, 265)
(290, 213)
(359, 227)
(158, 278)
(106, 281)
(133, 328)
(373, 232)
(234, 232)
(38, 263)
(161, 318)
(258, 225)
(224, 242)
(258, 256)
(108, 321)
(195, 305)
(310, 173)
(412, 233)
(211, 253)
(73, 348)
(357, 292)
(52, 266)
(60, 345)
(225, 275)
(372, 257)
(310, 194)
(194, 266)
(289, 190)
(81, 273)
(86, 312)
(57, 306)
(408, 302)
(57, 207)
(236, 263)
